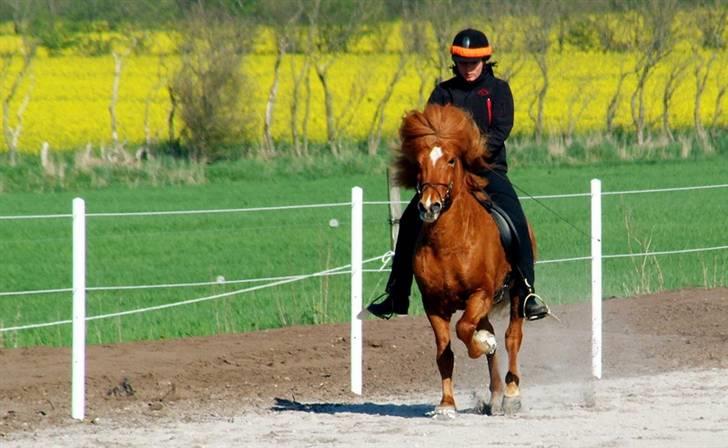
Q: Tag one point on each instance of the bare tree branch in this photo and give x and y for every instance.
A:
(12, 133)
(658, 41)
(282, 16)
(537, 26)
(674, 78)
(710, 21)
(333, 26)
(613, 104)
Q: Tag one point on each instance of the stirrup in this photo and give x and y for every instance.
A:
(539, 309)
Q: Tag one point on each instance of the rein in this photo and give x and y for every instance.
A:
(549, 209)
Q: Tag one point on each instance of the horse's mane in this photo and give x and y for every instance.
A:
(440, 126)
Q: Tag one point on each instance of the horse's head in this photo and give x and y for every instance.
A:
(441, 148)
(440, 172)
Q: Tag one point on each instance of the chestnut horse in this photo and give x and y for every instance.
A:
(459, 262)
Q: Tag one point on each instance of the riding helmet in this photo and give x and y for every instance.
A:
(470, 44)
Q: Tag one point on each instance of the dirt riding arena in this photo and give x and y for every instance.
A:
(665, 384)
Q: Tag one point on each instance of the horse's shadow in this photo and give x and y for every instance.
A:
(368, 408)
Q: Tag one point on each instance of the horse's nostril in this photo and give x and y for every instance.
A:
(434, 209)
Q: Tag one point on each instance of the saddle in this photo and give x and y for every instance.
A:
(509, 241)
(506, 229)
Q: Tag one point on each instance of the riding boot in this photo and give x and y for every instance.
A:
(396, 294)
(501, 192)
(395, 299)
(533, 306)
(392, 304)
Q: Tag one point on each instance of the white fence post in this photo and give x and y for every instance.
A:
(357, 243)
(78, 374)
(596, 277)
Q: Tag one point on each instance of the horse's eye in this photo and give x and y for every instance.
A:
(451, 162)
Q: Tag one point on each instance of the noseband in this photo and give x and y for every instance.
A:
(445, 199)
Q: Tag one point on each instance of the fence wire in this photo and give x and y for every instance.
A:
(281, 280)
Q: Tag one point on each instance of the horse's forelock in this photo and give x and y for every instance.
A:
(461, 130)
(444, 125)
(416, 134)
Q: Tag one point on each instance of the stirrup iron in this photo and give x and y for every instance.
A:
(537, 299)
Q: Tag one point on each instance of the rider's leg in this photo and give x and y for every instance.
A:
(501, 192)
(399, 284)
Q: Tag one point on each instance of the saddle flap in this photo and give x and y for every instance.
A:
(506, 229)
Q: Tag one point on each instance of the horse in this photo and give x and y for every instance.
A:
(459, 261)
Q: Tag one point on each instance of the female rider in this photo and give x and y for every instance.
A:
(488, 99)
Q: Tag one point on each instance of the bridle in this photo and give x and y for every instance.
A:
(445, 199)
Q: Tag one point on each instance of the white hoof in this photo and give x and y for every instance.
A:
(443, 413)
(486, 341)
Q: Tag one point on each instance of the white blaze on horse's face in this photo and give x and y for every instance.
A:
(435, 154)
(435, 184)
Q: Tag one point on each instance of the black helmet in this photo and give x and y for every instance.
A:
(470, 44)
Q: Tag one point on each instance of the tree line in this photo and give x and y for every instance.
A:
(215, 37)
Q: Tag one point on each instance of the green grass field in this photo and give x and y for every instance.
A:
(136, 250)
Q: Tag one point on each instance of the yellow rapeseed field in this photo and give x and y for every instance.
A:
(69, 95)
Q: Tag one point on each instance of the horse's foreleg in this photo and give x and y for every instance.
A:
(476, 331)
(514, 337)
(445, 360)
(483, 342)
(496, 382)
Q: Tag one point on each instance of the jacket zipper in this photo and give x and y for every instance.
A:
(489, 105)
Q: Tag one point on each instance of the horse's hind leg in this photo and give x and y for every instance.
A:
(514, 337)
(445, 362)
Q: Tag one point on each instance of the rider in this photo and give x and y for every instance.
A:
(488, 99)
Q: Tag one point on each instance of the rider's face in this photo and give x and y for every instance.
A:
(470, 70)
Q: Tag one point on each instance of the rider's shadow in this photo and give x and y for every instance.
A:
(384, 409)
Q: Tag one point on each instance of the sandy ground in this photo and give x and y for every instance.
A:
(665, 384)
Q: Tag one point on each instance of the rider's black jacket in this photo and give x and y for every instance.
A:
(490, 101)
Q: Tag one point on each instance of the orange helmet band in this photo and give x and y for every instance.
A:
(471, 52)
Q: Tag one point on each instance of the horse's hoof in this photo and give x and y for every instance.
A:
(486, 341)
(492, 408)
(443, 413)
(511, 405)
(496, 406)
